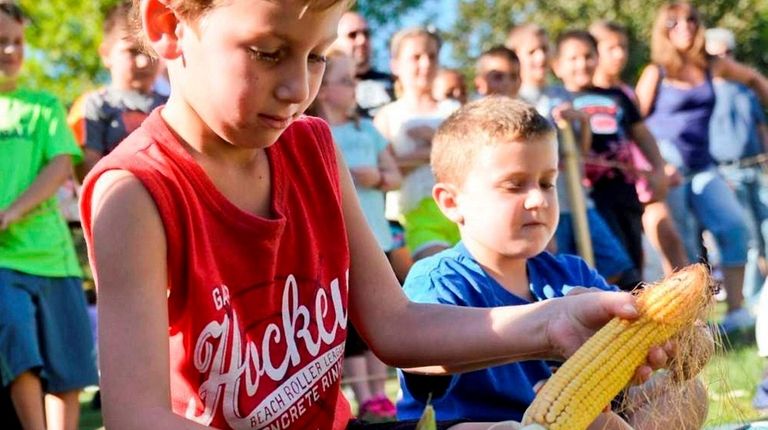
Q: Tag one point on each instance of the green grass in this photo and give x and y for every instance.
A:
(90, 419)
(731, 378)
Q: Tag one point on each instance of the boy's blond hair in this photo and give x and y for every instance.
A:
(193, 9)
(497, 51)
(493, 120)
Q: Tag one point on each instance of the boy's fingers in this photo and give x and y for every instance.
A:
(642, 374)
(599, 308)
(657, 357)
(581, 290)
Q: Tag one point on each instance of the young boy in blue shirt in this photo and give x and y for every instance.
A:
(495, 162)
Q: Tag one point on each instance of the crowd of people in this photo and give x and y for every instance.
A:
(265, 211)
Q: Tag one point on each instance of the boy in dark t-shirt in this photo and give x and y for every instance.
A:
(614, 121)
(108, 115)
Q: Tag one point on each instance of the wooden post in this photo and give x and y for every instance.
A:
(572, 172)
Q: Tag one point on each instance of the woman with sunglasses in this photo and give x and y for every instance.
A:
(675, 93)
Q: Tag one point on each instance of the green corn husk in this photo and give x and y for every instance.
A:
(427, 420)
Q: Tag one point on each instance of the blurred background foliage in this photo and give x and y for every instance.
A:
(482, 23)
(64, 34)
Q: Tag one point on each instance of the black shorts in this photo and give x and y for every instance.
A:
(354, 345)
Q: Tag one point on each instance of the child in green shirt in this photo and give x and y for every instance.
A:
(45, 341)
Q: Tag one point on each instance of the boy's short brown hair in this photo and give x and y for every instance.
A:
(117, 20)
(497, 51)
(493, 120)
(12, 9)
(582, 36)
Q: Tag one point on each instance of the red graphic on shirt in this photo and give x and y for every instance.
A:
(132, 119)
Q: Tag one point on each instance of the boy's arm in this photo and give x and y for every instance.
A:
(42, 188)
(735, 71)
(129, 251)
(90, 158)
(646, 88)
(390, 173)
(408, 335)
(647, 144)
(95, 132)
(566, 112)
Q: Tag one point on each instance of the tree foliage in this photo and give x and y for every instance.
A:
(482, 23)
(62, 42)
(64, 35)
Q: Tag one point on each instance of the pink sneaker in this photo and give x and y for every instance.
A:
(378, 409)
(386, 406)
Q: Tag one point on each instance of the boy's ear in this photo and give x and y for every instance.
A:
(446, 196)
(393, 66)
(553, 66)
(162, 27)
(480, 85)
(104, 53)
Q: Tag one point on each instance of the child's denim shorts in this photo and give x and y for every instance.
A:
(44, 328)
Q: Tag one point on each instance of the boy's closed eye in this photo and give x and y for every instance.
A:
(525, 185)
(276, 55)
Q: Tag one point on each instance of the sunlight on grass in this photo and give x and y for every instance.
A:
(731, 378)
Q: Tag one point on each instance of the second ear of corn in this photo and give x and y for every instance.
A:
(588, 381)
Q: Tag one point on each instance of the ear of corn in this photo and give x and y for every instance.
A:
(588, 381)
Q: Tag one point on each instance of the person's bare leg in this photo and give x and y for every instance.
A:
(660, 229)
(62, 410)
(27, 398)
(733, 281)
(355, 371)
(377, 371)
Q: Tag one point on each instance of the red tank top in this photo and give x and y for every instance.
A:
(257, 306)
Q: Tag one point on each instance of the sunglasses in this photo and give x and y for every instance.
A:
(675, 22)
(14, 11)
(366, 32)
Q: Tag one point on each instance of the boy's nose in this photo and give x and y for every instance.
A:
(142, 61)
(535, 199)
(294, 87)
(8, 48)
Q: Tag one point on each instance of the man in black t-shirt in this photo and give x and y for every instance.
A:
(374, 88)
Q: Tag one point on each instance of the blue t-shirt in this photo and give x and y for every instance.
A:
(360, 144)
(733, 128)
(501, 392)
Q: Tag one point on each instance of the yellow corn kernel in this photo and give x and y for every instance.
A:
(588, 381)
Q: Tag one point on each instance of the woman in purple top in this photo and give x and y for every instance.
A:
(676, 95)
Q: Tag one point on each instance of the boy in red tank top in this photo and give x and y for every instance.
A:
(229, 249)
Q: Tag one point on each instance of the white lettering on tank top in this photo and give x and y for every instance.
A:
(230, 364)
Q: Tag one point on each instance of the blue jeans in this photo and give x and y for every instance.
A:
(704, 200)
(611, 259)
(751, 187)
